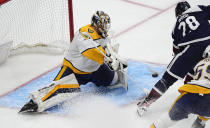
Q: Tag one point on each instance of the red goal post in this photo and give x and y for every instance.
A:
(44, 26)
(3, 1)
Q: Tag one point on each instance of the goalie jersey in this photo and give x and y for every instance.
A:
(84, 55)
(201, 81)
(192, 27)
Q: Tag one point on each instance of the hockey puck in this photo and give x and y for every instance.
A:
(155, 74)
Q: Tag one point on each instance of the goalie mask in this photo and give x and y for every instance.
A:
(181, 7)
(102, 22)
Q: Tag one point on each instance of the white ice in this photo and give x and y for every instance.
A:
(143, 29)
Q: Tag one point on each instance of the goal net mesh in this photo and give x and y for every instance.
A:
(35, 26)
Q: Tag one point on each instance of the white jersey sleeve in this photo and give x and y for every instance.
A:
(85, 44)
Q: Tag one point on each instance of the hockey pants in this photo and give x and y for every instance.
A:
(190, 103)
(102, 77)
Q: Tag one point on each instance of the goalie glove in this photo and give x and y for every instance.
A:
(113, 63)
(113, 60)
(116, 64)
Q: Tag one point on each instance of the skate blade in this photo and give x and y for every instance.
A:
(26, 111)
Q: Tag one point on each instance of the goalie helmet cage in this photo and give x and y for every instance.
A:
(40, 26)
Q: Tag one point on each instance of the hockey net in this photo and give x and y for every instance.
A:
(40, 26)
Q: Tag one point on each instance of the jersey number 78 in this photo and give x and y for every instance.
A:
(191, 22)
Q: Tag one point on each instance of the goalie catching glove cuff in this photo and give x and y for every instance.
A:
(113, 63)
(116, 64)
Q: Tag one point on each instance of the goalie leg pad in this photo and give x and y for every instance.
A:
(68, 88)
(122, 80)
(56, 92)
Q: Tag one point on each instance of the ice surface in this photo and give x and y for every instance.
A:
(144, 34)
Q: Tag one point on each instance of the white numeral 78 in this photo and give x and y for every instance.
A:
(191, 22)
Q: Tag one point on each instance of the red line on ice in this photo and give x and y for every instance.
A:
(143, 21)
(143, 5)
(24, 84)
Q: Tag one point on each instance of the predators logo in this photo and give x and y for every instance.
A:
(90, 30)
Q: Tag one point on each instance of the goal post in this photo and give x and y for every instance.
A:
(71, 19)
(3, 1)
(42, 26)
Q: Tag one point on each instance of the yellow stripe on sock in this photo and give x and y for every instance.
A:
(203, 118)
(58, 87)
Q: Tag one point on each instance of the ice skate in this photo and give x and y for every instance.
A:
(198, 123)
(29, 107)
(143, 105)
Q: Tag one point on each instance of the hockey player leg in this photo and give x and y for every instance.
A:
(200, 122)
(177, 69)
(156, 92)
(177, 112)
(51, 95)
